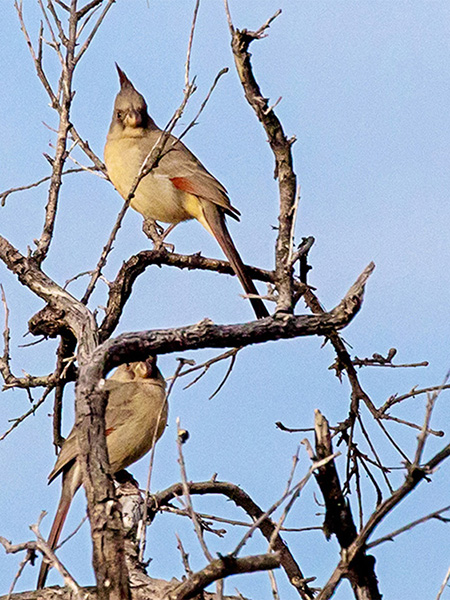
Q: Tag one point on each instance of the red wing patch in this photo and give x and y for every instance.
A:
(184, 184)
(109, 430)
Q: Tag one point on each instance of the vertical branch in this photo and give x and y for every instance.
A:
(65, 350)
(104, 511)
(338, 517)
(281, 148)
(63, 107)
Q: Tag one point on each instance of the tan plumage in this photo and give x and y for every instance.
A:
(135, 418)
(178, 189)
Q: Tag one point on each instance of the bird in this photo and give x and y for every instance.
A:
(135, 418)
(178, 189)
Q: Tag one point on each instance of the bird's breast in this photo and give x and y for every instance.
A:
(143, 421)
(156, 197)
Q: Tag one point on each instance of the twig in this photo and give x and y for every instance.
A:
(282, 519)
(33, 409)
(6, 357)
(187, 495)
(444, 584)
(227, 374)
(412, 394)
(105, 252)
(184, 556)
(189, 48)
(438, 433)
(4, 195)
(375, 453)
(204, 103)
(94, 30)
(209, 362)
(293, 492)
(141, 532)
(53, 559)
(378, 360)
(423, 436)
(413, 478)
(273, 584)
(30, 556)
(390, 536)
(280, 425)
(205, 517)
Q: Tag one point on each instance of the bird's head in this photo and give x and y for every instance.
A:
(130, 108)
(135, 371)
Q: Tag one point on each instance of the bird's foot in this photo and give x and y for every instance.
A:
(155, 232)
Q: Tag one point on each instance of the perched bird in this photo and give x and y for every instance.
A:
(178, 189)
(136, 415)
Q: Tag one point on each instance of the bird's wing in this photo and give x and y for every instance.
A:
(68, 454)
(187, 173)
(69, 450)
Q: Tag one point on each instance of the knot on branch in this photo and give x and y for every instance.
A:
(49, 322)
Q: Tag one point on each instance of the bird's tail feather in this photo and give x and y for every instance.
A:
(215, 224)
(71, 483)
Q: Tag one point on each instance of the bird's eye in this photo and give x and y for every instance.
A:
(119, 114)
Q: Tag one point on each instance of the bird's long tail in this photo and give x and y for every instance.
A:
(71, 482)
(215, 224)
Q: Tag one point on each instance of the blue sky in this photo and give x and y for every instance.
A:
(365, 88)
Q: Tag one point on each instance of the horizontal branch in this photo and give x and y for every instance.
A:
(220, 568)
(205, 334)
(121, 288)
(151, 589)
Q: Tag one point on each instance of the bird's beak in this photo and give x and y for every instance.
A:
(133, 119)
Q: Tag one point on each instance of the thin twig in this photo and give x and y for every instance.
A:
(94, 30)
(292, 492)
(189, 48)
(33, 409)
(390, 536)
(225, 378)
(184, 556)
(141, 532)
(412, 394)
(4, 195)
(444, 584)
(105, 252)
(187, 495)
(205, 517)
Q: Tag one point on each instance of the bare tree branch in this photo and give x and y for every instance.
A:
(220, 568)
(244, 501)
(281, 148)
